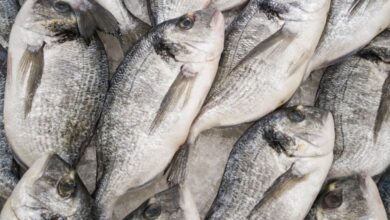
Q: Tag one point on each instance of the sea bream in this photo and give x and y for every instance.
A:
(267, 49)
(384, 190)
(163, 10)
(50, 189)
(175, 203)
(57, 78)
(357, 92)
(351, 25)
(8, 174)
(277, 168)
(349, 198)
(155, 96)
(8, 11)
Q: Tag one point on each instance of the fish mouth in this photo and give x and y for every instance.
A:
(278, 141)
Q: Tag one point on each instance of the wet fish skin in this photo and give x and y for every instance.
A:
(57, 79)
(384, 191)
(8, 11)
(225, 5)
(357, 93)
(349, 198)
(139, 8)
(293, 145)
(175, 203)
(8, 174)
(51, 189)
(268, 36)
(164, 81)
(345, 21)
(280, 35)
(163, 10)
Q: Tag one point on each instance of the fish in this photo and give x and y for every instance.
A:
(174, 203)
(384, 190)
(357, 92)
(154, 96)
(50, 189)
(8, 171)
(8, 11)
(139, 8)
(349, 198)
(225, 5)
(345, 20)
(275, 37)
(163, 10)
(57, 78)
(131, 27)
(283, 156)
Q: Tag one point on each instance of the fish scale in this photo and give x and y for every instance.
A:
(153, 101)
(256, 163)
(8, 174)
(163, 10)
(345, 19)
(81, 100)
(353, 92)
(8, 11)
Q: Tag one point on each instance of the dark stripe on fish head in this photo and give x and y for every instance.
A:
(68, 19)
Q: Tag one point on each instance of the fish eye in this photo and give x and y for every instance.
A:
(296, 116)
(153, 211)
(332, 199)
(62, 7)
(186, 23)
(66, 187)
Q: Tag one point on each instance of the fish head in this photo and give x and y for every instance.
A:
(354, 197)
(195, 37)
(174, 203)
(66, 18)
(301, 131)
(51, 189)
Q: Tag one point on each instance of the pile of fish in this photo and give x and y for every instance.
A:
(100, 100)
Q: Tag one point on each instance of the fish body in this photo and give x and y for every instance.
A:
(51, 189)
(263, 39)
(8, 175)
(281, 159)
(8, 11)
(349, 198)
(357, 93)
(163, 10)
(57, 79)
(384, 190)
(175, 203)
(155, 95)
(225, 5)
(345, 21)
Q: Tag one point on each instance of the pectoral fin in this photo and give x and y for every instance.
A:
(279, 186)
(279, 41)
(180, 88)
(383, 110)
(30, 72)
